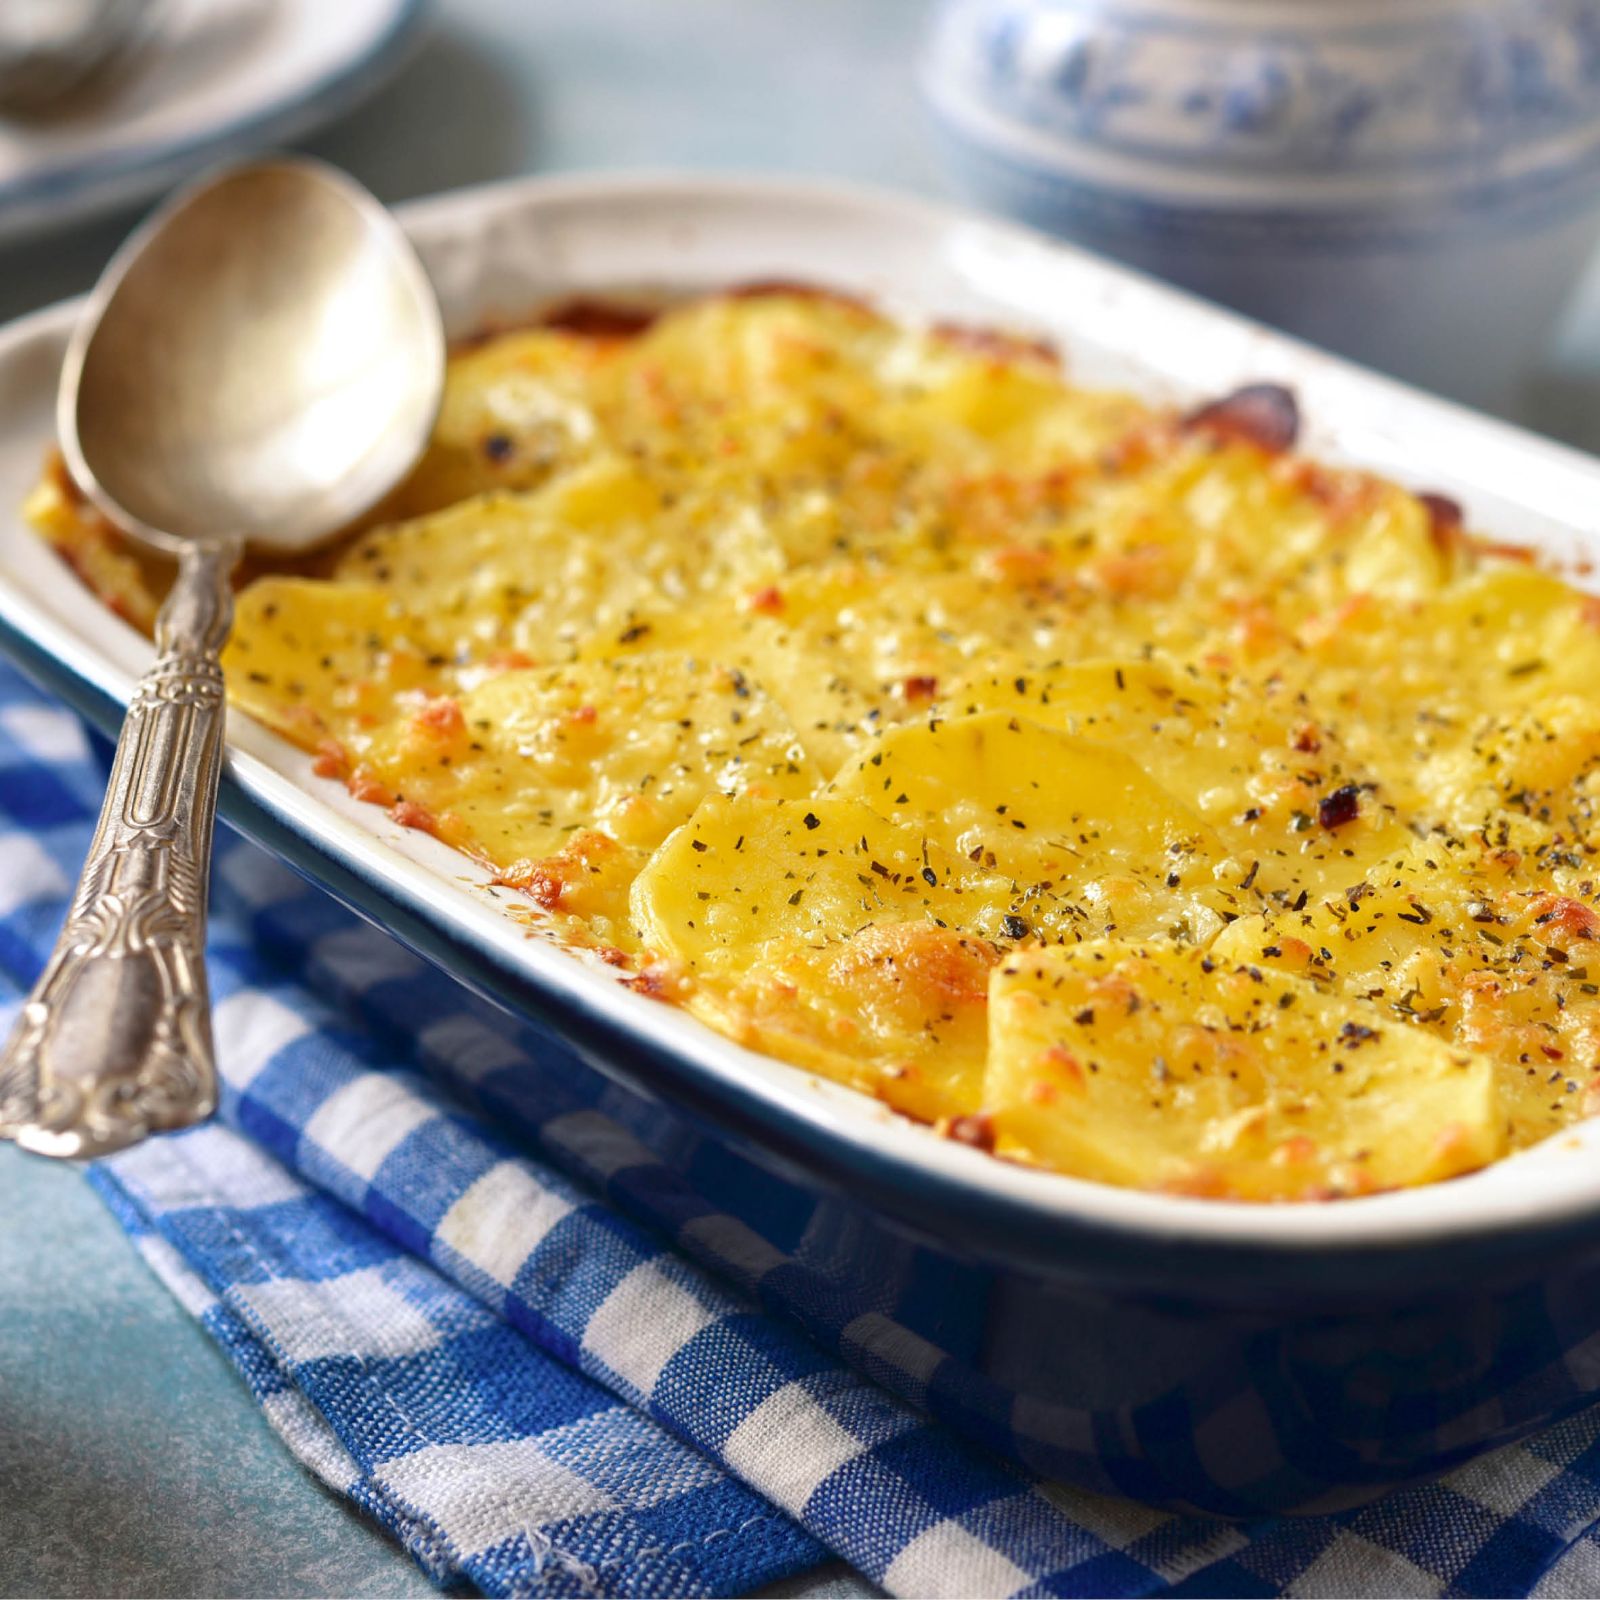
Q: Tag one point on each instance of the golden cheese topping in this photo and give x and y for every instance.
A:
(1112, 789)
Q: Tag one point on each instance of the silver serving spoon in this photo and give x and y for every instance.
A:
(261, 362)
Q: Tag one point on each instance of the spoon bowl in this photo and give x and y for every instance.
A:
(261, 363)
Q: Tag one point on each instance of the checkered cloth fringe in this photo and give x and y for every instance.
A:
(539, 1395)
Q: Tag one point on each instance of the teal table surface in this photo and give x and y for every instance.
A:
(131, 1459)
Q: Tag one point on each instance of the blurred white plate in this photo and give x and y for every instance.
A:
(221, 78)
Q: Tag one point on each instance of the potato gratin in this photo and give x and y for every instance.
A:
(1111, 789)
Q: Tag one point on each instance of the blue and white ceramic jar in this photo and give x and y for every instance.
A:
(1415, 183)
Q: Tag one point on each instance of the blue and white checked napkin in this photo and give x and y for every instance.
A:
(537, 1395)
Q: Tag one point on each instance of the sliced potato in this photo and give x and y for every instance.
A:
(1450, 696)
(321, 661)
(958, 404)
(534, 572)
(1483, 954)
(833, 705)
(1093, 845)
(1154, 1066)
(825, 933)
(818, 869)
(527, 757)
(1167, 706)
(845, 647)
(516, 410)
(1526, 759)
(1250, 523)
(789, 360)
(1509, 633)
(111, 566)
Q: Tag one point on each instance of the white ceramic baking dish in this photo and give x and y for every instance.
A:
(1062, 1263)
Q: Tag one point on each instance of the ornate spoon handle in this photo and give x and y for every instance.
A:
(115, 1040)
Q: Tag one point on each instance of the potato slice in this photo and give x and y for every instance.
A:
(850, 648)
(831, 701)
(1160, 1067)
(1465, 944)
(1094, 846)
(787, 359)
(828, 935)
(819, 868)
(1467, 698)
(1509, 634)
(1110, 700)
(846, 648)
(824, 374)
(1233, 752)
(112, 566)
(1538, 760)
(562, 777)
(960, 405)
(1520, 634)
(534, 572)
(515, 765)
(1250, 524)
(318, 661)
(1166, 715)
(516, 410)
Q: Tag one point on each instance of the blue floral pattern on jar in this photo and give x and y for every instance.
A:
(1340, 89)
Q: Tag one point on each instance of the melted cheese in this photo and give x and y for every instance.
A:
(832, 935)
(1166, 1066)
(1143, 801)
(1091, 843)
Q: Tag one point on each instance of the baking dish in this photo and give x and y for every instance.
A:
(1215, 1355)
